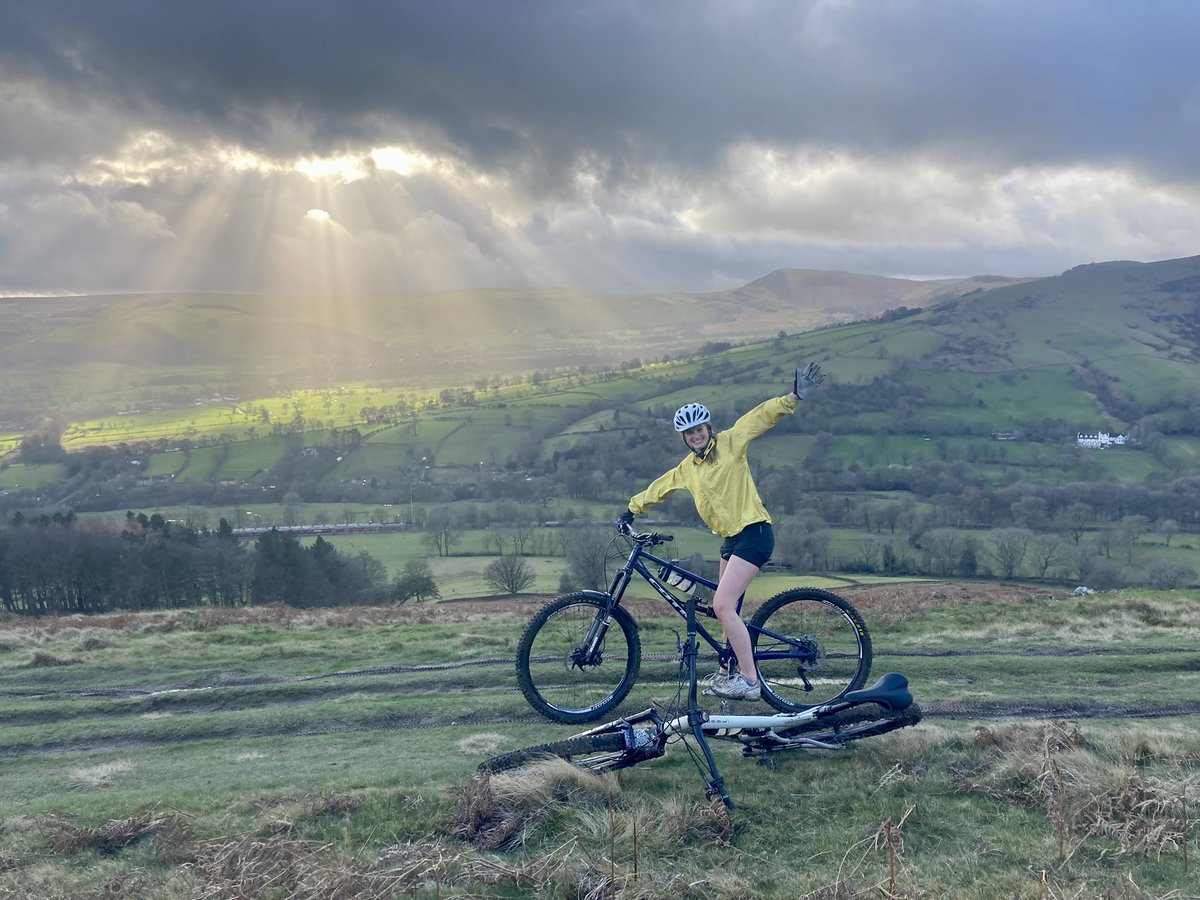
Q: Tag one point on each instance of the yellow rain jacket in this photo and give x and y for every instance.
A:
(724, 491)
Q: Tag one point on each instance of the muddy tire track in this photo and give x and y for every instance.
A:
(460, 679)
(955, 710)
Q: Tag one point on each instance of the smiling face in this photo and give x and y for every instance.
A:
(697, 437)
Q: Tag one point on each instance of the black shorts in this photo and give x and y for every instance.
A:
(754, 543)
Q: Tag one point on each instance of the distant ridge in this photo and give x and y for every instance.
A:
(98, 355)
(811, 298)
(867, 295)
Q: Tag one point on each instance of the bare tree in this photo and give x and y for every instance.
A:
(869, 553)
(1046, 550)
(586, 553)
(1076, 520)
(442, 533)
(803, 541)
(1166, 575)
(509, 574)
(942, 546)
(1009, 548)
(1081, 559)
(494, 542)
(521, 536)
(291, 508)
(1129, 531)
(1168, 528)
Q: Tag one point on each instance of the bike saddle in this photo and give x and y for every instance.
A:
(891, 690)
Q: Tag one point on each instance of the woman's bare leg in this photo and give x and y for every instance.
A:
(736, 575)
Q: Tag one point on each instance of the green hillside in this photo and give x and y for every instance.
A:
(942, 443)
(1110, 347)
(87, 356)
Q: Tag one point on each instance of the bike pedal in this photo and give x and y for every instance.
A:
(723, 709)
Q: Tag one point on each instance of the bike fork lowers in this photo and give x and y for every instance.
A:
(714, 784)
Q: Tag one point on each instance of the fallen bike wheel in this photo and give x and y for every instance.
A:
(810, 646)
(855, 724)
(596, 752)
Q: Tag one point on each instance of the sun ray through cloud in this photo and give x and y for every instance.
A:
(912, 137)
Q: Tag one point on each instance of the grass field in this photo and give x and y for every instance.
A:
(495, 427)
(278, 753)
(30, 478)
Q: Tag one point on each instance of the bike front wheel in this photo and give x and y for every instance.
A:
(810, 646)
(596, 752)
(560, 676)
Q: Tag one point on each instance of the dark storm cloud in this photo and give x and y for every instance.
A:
(698, 122)
(1033, 81)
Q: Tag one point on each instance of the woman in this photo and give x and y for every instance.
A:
(717, 475)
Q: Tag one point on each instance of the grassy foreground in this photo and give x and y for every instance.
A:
(279, 753)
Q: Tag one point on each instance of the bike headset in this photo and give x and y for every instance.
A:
(689, 416)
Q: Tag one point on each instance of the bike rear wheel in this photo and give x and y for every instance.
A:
(810, 646)
(596, 752)
(552, 671)
(855, 724)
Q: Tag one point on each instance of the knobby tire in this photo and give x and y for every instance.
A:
(855, 724)
(835, 656)
(589, 751)
(550, 678)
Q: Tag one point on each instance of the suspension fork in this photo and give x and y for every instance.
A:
(589, 650)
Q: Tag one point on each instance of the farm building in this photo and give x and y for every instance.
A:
(1099, 440)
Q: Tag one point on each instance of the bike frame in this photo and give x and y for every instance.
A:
(756, 734)
(636, 564)
(627, 741)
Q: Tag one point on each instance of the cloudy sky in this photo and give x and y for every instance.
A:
(613, 145)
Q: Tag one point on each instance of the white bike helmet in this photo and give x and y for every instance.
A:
(690, 415)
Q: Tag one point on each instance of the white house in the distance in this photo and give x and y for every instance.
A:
(1099, 440)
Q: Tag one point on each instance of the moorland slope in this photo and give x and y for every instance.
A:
(104, 354)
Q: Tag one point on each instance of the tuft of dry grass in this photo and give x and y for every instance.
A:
(40, 659)
(278, 866)
(482, 744)
(499, 811)
(310, 870)
(707, 824)
(68, 839)
(334, 803)
(1050, 765)
(100, 775)
(91, 642)
(1146, 817)
(1023, 739)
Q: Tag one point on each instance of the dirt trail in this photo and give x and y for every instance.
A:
(461, 678)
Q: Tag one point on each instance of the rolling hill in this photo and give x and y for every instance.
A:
(1112, 346)
(1101, 347)
(104, 354)
(1109, 347)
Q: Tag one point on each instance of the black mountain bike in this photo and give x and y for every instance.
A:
(579, 656)
(849, 716)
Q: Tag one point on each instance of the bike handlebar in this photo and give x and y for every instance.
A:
(645, 538)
